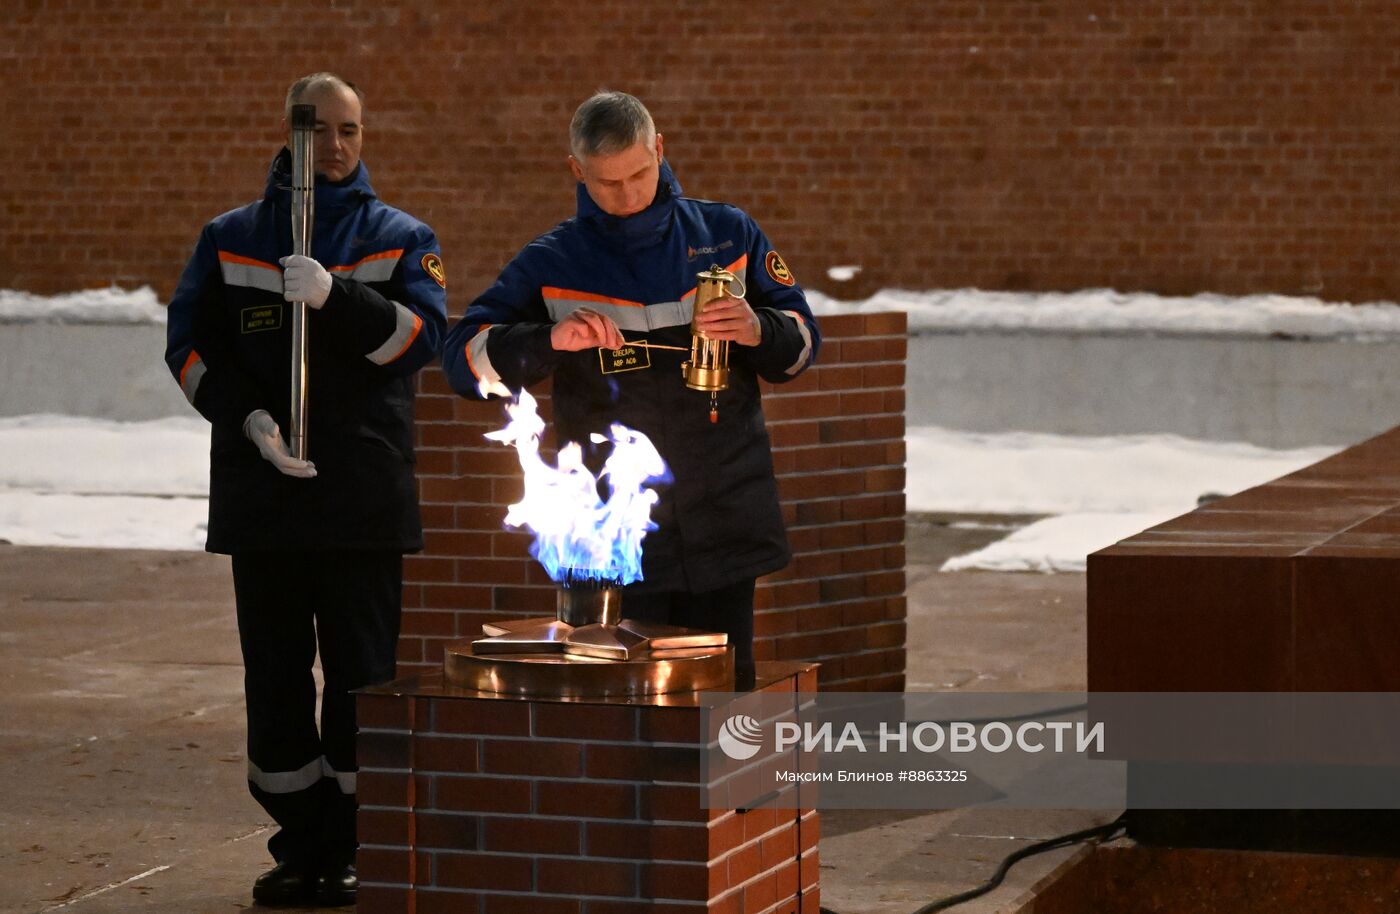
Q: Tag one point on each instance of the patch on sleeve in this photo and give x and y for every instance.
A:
(778, 269)
(432, 263)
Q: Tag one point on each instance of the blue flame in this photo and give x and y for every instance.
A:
(578, 536)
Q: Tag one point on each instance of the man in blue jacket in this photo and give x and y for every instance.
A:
(317, 544)
(573, 301)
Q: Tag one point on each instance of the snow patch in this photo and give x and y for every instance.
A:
(1056, 544)
(112, 305)
(1106, 311)
(1103, 489)
(1034, 473)
(76, 481)
(77, 455)
(106, 521)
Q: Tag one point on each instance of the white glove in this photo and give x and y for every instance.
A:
(262, 431)
(303, 279)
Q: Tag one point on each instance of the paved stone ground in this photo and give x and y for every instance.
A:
(121, 734)
(970, 631)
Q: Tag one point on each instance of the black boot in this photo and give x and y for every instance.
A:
(337, 885)
(290, 882)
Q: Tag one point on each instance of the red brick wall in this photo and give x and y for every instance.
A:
(1040, 144)
(838, 448)
(472, 804)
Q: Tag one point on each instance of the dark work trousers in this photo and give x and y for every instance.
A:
(728, 610)
(289, 604)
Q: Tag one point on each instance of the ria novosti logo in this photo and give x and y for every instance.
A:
(740, 737)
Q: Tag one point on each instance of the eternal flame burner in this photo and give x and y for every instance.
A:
(589, 650)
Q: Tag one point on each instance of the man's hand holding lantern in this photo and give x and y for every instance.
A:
(730, 318)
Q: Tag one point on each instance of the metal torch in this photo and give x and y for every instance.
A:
(708, 368)
(303, 215)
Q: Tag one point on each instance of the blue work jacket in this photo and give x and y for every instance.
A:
(228, 344)
(719, 520)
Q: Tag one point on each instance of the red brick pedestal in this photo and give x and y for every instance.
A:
(476, 803)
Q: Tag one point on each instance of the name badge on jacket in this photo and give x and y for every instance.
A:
(263, 317)
(628, 358)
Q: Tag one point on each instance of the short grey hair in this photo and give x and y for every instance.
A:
(304, 86)
(609, 122)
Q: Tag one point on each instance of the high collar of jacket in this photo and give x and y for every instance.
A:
(639, 230)
(333, 198)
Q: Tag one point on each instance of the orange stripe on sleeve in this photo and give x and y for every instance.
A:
(382, 255)
(230, 257)
(734, 268)
(417, 326)
(467, 351)
(190, 360)
(575, 295)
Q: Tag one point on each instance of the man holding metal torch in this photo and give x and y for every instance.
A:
(317, 538)
(603, 302)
